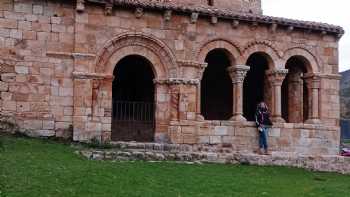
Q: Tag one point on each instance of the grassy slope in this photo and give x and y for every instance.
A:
(40, 168)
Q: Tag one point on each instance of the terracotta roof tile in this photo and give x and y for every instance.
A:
(228, 14)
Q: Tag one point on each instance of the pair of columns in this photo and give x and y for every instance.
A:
(275, 78)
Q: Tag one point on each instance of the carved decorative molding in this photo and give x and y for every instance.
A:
(167, 15)
(264, 43)
(276, 77)
(80, 7)
(194, 17)
(139, 12)
(132, 39)
(189, 63)
(214, 20)
(70, 54)
(177, 81)
(82, 75)
(235, 24)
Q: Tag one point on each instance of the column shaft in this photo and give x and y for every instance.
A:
(276, 78)
(238, 73)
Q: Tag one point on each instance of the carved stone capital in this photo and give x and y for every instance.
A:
(276, 77)
(238, 73)
(313, 81)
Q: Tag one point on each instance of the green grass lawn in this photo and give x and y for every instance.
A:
(347, 141)
(32, 167)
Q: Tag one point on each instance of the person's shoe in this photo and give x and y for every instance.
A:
(267, 152)
(260, 151)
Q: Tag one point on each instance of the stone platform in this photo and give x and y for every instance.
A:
(123, 151)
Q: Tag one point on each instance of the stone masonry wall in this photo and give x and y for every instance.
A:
(37, 88)
(57, 69)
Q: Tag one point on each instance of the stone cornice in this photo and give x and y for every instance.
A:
(227, 14)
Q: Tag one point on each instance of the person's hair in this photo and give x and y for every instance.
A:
(263, 105)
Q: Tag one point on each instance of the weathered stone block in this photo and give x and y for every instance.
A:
(215, 140)
(221, 130)
(4, 86)
(21, 69)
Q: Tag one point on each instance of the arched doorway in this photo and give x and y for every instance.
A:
(133, 114)
(216, 87)
(255, 87)
(295, 104)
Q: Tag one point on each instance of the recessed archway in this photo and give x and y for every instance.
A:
(216, 87)
(295, 96)
(255, 87)
(133, 104)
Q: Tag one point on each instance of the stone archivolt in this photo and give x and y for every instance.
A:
(137, 39)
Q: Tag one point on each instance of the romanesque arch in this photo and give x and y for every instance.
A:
(267, 49)
(232, 48)
(296, 92)
(312, 62)
(127, 47)
(162, 58)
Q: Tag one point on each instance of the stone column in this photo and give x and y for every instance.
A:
(237, 74)
(295, 98)
(276, 77)
(201, 70)
(313, 83)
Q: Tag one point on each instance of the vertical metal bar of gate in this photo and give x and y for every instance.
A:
(130, 118)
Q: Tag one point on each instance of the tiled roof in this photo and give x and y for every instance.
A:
(227, 14)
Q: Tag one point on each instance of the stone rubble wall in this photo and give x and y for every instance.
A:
(210, 154)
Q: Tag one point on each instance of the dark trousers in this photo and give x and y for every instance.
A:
(263, 138)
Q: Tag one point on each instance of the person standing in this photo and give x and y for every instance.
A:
(263, 122)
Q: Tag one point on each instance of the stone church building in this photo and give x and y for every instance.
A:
(169, 71)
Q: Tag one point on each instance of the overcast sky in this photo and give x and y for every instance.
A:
(335, 12)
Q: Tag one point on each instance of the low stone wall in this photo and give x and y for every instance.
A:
(300, 138)
(209, 154)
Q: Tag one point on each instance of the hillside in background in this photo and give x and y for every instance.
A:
(345, 94)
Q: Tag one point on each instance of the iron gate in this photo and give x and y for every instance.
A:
(133, 121)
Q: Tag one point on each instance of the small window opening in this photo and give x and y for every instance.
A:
(211, 2)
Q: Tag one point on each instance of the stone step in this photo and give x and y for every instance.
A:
(332, 163)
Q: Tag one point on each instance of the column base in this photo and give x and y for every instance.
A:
(238, 117)
(199, 117)
(313, 121)
(278, 119)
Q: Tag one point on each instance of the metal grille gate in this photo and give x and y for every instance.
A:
(133, 121)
